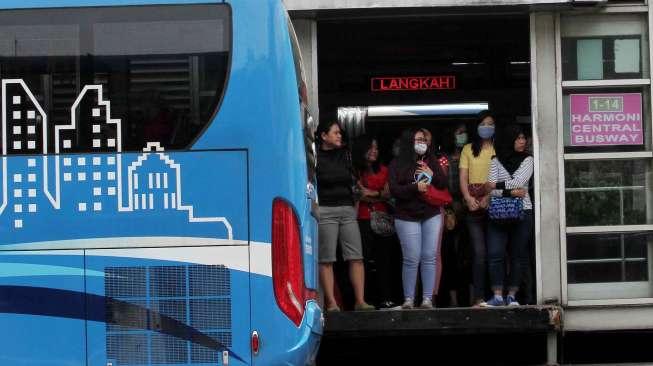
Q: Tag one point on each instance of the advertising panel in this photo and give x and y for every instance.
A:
(606, 119)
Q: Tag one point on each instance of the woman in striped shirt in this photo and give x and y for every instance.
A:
(509, 176)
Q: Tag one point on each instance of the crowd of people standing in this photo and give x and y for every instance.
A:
(445, 224)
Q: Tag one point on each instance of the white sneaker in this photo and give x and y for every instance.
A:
(426, 304)
(510, 300)
(408, 304)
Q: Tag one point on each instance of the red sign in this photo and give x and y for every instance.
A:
(446, 82)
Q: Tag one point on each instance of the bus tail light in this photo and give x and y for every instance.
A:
(256, 343)
(287, 268)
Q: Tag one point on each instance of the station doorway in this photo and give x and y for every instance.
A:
(424, 60)
(382, 75)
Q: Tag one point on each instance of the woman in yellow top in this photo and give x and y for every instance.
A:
(473, 172)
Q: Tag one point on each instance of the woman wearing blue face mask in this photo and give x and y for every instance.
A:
(473, 173)
(418, 223)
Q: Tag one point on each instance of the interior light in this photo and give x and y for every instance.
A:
(427, 110)
(467, 63)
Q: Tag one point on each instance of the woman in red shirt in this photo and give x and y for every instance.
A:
(378, 250)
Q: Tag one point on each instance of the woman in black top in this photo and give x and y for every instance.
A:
(418, 224)
(338, 215)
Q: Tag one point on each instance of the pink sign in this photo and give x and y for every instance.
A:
(606, 119)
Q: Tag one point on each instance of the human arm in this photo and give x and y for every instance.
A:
(385, 193)
(463, 179)
(438, 168)
(398, 187)
(372, 196)
(375, 187)
(498, 178)
(522, 175)
(368, 195)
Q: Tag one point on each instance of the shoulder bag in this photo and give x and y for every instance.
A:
(506, 209)
(382, 223)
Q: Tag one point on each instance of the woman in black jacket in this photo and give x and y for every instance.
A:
(338, 215)
(418, 224)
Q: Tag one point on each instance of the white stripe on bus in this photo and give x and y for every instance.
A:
(234, 254)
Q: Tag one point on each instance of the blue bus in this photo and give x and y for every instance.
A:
(157, 185)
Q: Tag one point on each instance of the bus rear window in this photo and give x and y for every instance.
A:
(162, 68)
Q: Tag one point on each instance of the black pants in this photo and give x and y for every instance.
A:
(476, 227)
(456, 265)
(382, 256)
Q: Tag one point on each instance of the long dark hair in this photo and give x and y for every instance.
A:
(407, 155)
(407, 159)
(324, 127)
(509, 158)
(359, 154)
(477, 141)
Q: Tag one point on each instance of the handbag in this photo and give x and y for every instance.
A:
(381, 222)
(478, 191)
(436, 197)
(506, 209)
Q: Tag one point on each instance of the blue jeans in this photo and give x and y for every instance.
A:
(419, 245)
(519, 235)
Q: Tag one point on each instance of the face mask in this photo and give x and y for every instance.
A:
(461, 139)
(395, 151)
(420, 148)
(485, 132)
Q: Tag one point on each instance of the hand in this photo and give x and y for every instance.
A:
(423, 167)
(385, 193)
(485, 202)
(366, 192)
(422, 187)
(519, 192)
(472, 203)
(490, 186)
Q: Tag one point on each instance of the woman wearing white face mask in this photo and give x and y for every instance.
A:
(418, 223)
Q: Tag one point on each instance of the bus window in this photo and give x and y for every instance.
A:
(307, 120)
(162, 68)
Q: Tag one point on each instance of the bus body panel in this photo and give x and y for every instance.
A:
(42, 308)
(282, 343)
(250, 153)
(193, 296)
(149, 195)
(35, 4)
(263, 70)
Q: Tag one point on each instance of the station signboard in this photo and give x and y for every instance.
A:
(606, 119)
(413, 83)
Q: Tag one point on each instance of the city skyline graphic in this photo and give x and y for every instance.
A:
(90, 180)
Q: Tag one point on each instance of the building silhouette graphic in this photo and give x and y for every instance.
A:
(85, 175)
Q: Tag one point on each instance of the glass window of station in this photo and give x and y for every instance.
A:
(606, 118)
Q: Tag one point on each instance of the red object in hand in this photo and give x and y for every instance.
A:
(437, 197)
